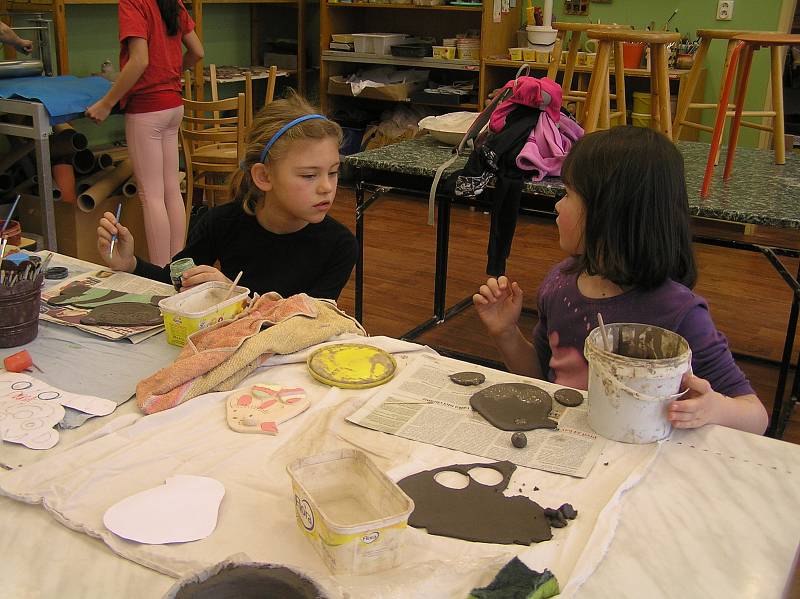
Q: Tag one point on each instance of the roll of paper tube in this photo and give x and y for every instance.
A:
(104, 160)
(130, 188)
(89, 180)
(105, 186)
(83, 162)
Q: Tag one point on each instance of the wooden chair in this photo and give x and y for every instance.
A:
(576, 95)
(687, 90)
(212, 146)
(746, 45)
(597, 104)
(248, 89)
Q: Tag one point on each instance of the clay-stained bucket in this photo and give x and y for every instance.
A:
(631, 387)
(19, 313)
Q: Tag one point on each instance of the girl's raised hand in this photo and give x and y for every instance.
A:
(499, 304)
(201, 274)
(122, 258)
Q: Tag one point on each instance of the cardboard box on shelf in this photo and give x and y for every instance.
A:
(287, 62)
(338, 86)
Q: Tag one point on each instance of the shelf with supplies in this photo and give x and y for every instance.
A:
(474, 21)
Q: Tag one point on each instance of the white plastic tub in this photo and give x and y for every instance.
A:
(352, 513)
(377, 43)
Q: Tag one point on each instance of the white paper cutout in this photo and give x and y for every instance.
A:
(261, 407)
(183, 509)
(30, 423)
(22, 387)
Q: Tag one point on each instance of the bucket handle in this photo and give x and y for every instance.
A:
(638, 394)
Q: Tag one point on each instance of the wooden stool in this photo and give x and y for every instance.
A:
(687, 90)
(574, 46)
(597, 105)
(746, 45)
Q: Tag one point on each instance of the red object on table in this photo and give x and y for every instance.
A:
(18, 362)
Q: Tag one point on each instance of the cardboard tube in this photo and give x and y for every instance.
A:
(104, 160)
(89, 180)
(89, 199)
(56, 189)
(130, 188)
(64, 178)
(66, 143)
(83, 162)
(16, 154)
(79, 139)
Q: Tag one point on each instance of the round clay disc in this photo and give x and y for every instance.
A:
(568, 397)
(56, 272)
(467, 379)
(351, 366)
(514, 406)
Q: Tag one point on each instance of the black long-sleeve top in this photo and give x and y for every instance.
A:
(316, 260)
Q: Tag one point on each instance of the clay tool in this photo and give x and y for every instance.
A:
(603, 331)
(3, 244)
(10, 214)
(19, 362)
(114, 236)
(233, 286)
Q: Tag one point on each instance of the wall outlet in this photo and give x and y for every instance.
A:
(724, 10)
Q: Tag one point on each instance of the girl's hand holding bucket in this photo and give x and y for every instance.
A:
(699, 407)
(122, 258)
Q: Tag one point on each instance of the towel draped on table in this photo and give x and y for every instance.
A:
(219, 358)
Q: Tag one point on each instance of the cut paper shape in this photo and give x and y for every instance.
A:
(21, 387)
(30, 423)
(514, 406)
(81, 295)
(260, 407)
(351, 365)
(185, 508)
(123, 314)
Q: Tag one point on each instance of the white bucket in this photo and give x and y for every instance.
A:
(631, 386)
(541, 35)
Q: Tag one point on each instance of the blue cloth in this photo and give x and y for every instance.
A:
(65, 97)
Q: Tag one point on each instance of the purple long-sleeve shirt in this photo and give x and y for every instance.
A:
(566, 317)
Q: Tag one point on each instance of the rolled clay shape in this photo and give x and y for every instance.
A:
(83, 161)
(130, 188)
(15, 154)
(86, 182)
(115, 177)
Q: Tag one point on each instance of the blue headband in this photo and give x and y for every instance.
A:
(284, 129)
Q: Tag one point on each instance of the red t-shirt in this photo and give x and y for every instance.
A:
(159, 87)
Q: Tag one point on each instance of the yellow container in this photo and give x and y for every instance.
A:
(515, 53)
(352, 513)
(641, 102)
(199, 308)
(529, 55)
(444, 52)
(640, 120)
(469, 53)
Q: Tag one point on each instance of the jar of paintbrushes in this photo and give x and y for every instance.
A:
(20, 297)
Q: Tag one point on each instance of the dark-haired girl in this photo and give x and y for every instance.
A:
(152, 34)
(624, 221)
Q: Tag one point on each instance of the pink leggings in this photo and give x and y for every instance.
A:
(153, 149)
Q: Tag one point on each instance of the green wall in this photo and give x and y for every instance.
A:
(92, 35)
(693, 15)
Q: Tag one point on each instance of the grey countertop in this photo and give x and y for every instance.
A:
(759, 192)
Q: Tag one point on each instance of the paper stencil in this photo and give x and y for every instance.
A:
(30, 423)
(21, 387)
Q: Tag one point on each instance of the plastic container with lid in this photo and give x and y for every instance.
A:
(377, 43)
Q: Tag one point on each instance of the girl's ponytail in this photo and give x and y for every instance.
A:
(241, 186)
(169, 14)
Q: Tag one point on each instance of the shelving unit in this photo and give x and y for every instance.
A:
(420, 21)
(258, 20)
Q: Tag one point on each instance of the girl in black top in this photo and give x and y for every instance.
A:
(277, 230)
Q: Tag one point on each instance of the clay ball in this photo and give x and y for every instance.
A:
(519, 440)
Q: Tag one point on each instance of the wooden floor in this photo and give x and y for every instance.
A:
(749, 301)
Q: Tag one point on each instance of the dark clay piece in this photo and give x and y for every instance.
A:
(519, 440)
(569, 512)
(514, 406)
(252, 582)
(550, 512)
(477, 512)
(468, 379)
(124, 314)
(56, 272)
(568, 397)
(558, 523)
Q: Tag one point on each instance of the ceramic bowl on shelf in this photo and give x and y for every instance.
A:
(448, 128)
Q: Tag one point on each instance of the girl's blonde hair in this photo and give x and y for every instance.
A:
(265, 125)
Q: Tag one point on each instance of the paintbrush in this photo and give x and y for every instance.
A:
(233, 286)
(114, 236)
(10, 214)
(603, 331)
(674, 12)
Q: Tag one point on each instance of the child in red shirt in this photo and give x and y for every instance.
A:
(148, 88)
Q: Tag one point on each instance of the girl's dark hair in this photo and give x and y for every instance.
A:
(636, 231)
(169, 13)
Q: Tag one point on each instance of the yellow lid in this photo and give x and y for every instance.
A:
(351, 365)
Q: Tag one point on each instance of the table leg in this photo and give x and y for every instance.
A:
(360, 257)
(442, 246)
(41, 127)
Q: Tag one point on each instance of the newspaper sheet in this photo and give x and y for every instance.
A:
(423, 404)
(103, 279)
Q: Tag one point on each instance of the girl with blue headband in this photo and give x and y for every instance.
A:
(276, 230)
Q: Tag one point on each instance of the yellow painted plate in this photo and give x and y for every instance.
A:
(351, 366)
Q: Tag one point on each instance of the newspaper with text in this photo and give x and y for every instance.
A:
(423, 404)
